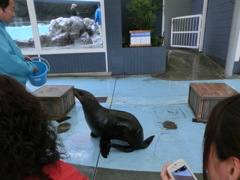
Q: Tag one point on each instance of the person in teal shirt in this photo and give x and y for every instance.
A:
(12, 61)
(98, 18)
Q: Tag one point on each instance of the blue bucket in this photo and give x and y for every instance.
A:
(39, 78)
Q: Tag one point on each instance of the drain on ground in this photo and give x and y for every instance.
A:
(169, 125)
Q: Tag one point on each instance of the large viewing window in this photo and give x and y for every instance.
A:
(20, 30)
(59, 24)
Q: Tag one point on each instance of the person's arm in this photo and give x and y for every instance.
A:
(28, 58)
(11, 63)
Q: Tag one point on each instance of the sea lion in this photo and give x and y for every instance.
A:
(111, 124)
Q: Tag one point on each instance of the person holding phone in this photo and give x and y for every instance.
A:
(29, 146)
(12, 61)
(179, 170)
(221, 142)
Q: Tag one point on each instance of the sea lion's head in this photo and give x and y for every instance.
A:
(87, 99)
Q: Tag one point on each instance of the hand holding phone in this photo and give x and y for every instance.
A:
(179, 170)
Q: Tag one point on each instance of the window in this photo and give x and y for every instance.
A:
(20, 30)
(61, 25)
(71, 25)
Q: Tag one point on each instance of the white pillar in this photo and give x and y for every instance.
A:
(33, 20)
(163, 18)
(204, 16)
(234, 41)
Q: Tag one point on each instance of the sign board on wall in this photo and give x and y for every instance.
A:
(140, 38)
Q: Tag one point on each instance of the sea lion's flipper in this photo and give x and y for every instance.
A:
(147, 142)
(105, 146)
(93, 135)
(123, 148)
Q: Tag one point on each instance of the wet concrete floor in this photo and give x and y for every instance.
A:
(159, 101)
(185, 64)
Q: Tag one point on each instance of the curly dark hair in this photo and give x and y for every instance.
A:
(28, 140)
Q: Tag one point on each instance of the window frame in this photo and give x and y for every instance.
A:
(38, 48)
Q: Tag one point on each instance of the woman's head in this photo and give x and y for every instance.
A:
(222, 140)
(27, 139)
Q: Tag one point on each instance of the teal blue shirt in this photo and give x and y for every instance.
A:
(97, 18)
(12, 62)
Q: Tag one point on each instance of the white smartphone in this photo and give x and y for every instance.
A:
(179, 170)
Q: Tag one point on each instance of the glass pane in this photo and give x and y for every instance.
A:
(65, 24)
(20, 30)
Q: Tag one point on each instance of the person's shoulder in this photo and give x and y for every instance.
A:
(68, 172)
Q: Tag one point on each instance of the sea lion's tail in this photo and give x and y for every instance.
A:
(147, 142)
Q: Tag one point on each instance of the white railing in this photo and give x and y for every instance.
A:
(186, 31)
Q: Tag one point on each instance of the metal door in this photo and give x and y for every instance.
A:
(186, 31)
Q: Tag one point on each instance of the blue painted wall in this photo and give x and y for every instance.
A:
(76, 63)
(139, 60)
(218, 27)
(129, 61)
(197, 7)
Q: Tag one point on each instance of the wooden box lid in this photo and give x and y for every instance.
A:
(52, 91)
(213, 90)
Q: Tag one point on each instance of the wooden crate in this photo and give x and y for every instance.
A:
(204, 96)
(57, 99)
